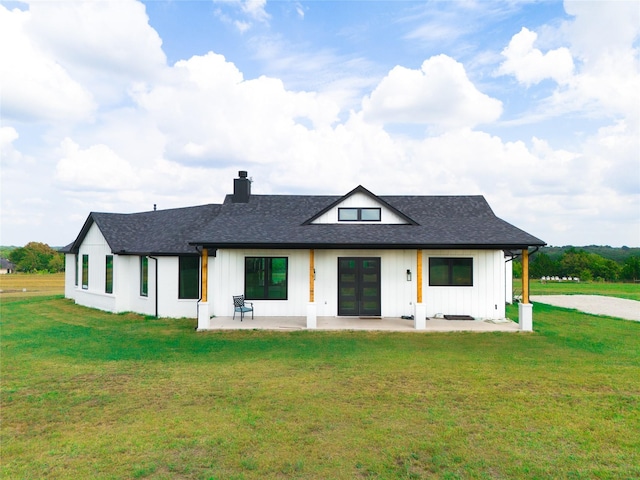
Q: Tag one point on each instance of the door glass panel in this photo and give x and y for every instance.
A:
(370, 277)
(349, 292)
(348, 277)
(370, 292)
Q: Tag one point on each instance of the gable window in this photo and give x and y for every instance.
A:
(450, 272)
(144, 277)
(359, 214)
(265, 278)
(108, 277)
(188, 277)
(85, 272)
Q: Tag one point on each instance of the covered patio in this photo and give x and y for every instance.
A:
(355, 323)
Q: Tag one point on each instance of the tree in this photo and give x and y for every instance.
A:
(543, 266)
(588, 266)
(37, 257)
(631, 269)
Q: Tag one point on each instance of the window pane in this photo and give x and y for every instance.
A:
(347, 214)
(85, 271)
(188, 277)
(461, 272)
(108, 281)
(144, 276)
(265, 278)
(370, 214)
(438, 272)
(76, 260)
(450, 272)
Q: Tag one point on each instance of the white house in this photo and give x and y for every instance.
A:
(302, 255)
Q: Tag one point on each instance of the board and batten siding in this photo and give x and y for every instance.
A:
(226, 279)
(128, 288)
(95, 246)
(126, 281)
(398, 295)
(485, 299)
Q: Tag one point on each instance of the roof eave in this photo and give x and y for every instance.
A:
(368, 246)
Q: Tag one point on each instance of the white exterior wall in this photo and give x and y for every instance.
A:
(69, 275)
(485, 299)
(398, 296)
(226, 279)
(126, 282)
(96, 247)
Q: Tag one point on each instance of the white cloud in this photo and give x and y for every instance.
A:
(35, 86)
(96, 168)
(530, 66)
(256, 9)
(177, 135)
(440, 94)
(251, 10)
(99, 37)
(210, 113)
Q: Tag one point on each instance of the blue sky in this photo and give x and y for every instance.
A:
(116, 106)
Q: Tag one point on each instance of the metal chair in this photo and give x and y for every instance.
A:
(239, 305)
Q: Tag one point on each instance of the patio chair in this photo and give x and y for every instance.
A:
(239, 305)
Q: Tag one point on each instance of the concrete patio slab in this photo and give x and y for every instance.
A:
(367, 324)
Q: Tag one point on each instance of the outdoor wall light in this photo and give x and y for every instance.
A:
(408, 275)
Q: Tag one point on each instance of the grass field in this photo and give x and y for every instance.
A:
(86, 394)
(621, 290)
(23, 284)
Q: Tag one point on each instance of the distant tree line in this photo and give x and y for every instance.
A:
(36, 257)
(585, 265)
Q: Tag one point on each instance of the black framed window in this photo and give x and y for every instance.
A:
(144, 277)
(265, 278)
(85, 272)
(359, 214)
(450, 272)
(76, 262)
(188, 277)
(108, 276)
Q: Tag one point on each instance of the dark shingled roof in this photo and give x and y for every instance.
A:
(283, 221)
(441, 222)
(161, 232)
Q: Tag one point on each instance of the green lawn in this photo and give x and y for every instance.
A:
(622, 290)
(86, 394)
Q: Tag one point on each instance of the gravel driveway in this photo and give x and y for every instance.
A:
(596, 304)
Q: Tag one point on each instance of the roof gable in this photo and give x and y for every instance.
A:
(161, 232)
(358, 198)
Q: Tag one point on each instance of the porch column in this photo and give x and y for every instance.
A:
(420, 315)
(525, 309)
(203, 304)
(311, 307)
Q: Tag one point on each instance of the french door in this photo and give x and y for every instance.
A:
(359, 286)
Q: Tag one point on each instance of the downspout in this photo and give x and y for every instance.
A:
(156, 260)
